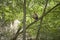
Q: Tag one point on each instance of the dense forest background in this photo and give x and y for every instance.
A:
(17, 22)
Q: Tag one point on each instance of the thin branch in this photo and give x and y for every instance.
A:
(17, 33)
(38, 31)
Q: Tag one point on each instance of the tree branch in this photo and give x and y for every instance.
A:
(24, 20)
(38, 31)
(17, 33)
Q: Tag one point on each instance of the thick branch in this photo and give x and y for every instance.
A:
(24, 20)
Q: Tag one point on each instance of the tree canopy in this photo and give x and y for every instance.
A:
(48, 22)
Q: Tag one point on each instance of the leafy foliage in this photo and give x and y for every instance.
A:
(13, 9)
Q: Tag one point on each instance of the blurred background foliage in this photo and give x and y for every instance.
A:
(11, 10)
